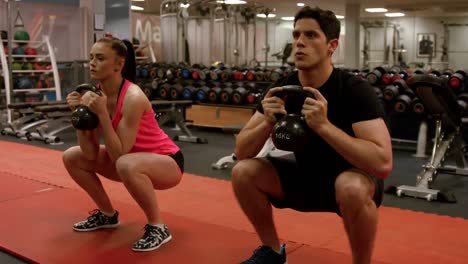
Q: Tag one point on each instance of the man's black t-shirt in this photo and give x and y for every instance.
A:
(350, 100)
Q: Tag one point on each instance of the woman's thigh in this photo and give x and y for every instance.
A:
(105, 167)
(162, 170)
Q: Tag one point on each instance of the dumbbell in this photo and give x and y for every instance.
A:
(82, 118)
(390, 76)
(417, 106)
(250, 75)
(238, 75)
(147, 88)
(457, 80)
(375, 76)
(291, 132)
(239, 96)
(378, 93)
(400, 75)
(175, 92)
(435, 72)
(188, 93)
(276, 74)
(419, 71)
(404, 100)
(259, 75)
(163, 91)
(201, 93)
(225, 96)
(397, 87)
(213, 94)
(462, 100)
(447, 73)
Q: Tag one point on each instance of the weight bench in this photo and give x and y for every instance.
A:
(267, 149)
(28, 118)
(58, 120)
(440, 102)
(175, 111)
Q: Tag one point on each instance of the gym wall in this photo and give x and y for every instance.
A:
(61, 22)
(410, 27)
(117, 18)
(147, 29)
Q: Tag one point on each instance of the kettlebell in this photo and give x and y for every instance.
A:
(82, 118)
(291, 132)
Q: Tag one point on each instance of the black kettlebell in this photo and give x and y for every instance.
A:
(291, 132)
(82, 118)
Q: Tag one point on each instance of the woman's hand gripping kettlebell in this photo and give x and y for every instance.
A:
(84, 117)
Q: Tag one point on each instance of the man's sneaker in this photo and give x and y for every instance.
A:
(153, 238)
(266, 255)
(97, 220)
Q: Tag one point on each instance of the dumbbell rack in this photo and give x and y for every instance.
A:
(6, 72)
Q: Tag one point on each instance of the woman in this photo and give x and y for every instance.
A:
(136, 151)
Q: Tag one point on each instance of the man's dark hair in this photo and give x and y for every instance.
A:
(326, 19)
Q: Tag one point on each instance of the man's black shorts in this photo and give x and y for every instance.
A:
(309, 190)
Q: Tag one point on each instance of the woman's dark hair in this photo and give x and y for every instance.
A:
(326, 19)
(124, 49)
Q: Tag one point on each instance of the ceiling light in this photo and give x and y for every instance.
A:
(134, 7)
(394, 14)
(184, 5)
(264, 16)
(287, 18)
(231, 2)
(376, 10)
(300, 4)
(138, 0)
(339, 16)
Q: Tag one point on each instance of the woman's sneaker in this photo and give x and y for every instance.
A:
(97, 220)
(154, 237)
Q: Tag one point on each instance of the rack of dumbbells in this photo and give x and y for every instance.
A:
(409, 124)
(218, 86)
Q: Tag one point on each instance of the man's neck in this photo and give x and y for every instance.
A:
(109, 86)
(315, 77)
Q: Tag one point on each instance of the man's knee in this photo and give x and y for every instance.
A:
(353, 189)
(243, 172)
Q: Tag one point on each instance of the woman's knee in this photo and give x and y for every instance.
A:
(353, 189)
(71, 156)
(125, 165)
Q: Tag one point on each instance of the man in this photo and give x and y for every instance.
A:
(342, 168)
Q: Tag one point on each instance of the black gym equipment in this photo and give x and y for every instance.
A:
(441, 104)
(82, 118)
(404, 99)
(58, 120)
(175, 111)
(398, 86)
(291, 132)
(457, 80)
(40, 121)
(27, 119)
(375, 76)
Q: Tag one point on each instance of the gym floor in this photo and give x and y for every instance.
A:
(220, 144)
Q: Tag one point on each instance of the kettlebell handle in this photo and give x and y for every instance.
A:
(87, 87)
(291, 89)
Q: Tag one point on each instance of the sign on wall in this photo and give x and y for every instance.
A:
(426, 45)
(147, 30)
